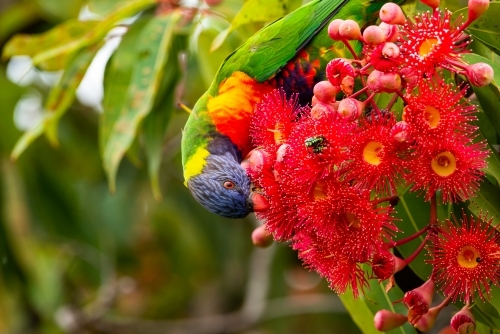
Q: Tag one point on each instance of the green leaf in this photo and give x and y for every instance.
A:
(363, 309)
(493, 164)
(483, 50)
(60, 98)
(156, 39)
(117, 79)
(59, 36)
(360, 313)
(482, 328)
(487, 308)
(493, 160)
(485, 28)
(414, 213)
(104, 7)
(155, 124)
(487, 200)
(96, 34)
(489, 99)
(472, 58)
(252, 11)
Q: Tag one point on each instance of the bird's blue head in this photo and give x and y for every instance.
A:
(223, 186)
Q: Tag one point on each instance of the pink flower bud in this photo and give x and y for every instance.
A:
(390, 82)
(386, 320)
(261, 237)
(280, 160)
(427, 321)
(256, 161)
(391, 31)
(463, 322)
(374, 81)
(400, 132)
(374, 35)
(392, 14)
(350, 108)
(419, 300)
(385, 57)
(477, 8)
(480, 74)
(333, 29)
(321, 110)
(390, 50)
(410, 79)
(325, 92)
(431, 3)
(350, 30)
(385, 264)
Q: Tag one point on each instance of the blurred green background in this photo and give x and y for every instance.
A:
(75, 258)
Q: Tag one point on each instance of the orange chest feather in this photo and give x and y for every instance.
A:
(232, 109)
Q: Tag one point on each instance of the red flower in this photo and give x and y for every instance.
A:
(385, 57)
(437, 110)
(431, 41)
(337, 70)
(350, 220)
(452, 166)
(281, 217)
(466, 258)
(273, 119)
(318, 146)
(375, 164)
(321, 254)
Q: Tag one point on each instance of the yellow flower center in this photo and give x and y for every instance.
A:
(468, 257)
(432, 116)
(279, 135)
(444, 164)
(371, 153)
(427, 46)
(319, 191)
(352, 220)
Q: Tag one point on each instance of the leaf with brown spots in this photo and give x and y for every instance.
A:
(152, 54)
(60, 98)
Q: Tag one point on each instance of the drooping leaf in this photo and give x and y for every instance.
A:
(252, 12)
(493, 161)
(155, 124)
(156, 39)
(96, 34)
(104, 7)
(60, 98)
(59, 36)
(117, 79)
(489, 99)
(16, 17)
(487, 200)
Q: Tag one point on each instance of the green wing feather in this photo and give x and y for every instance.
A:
(265, 53)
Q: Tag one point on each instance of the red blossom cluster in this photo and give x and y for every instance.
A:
(331, 171)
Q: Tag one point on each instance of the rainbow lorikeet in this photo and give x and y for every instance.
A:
(290, 53)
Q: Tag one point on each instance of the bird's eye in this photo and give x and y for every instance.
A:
(228, 185)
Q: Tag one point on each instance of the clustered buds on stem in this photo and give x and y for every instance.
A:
(330, 172)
